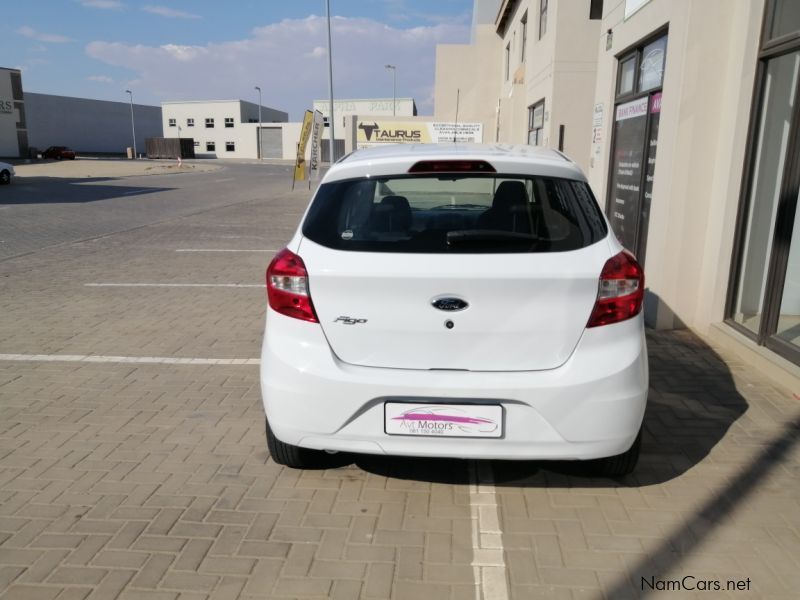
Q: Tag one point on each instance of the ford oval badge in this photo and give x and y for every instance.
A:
(450, 304)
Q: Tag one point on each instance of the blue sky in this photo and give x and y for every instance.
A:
(203, 49)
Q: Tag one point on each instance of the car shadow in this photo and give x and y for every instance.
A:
(692, 404)
(63, 190)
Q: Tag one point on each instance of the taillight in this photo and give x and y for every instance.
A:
(452, 166)
(287, 287)
(620, 292)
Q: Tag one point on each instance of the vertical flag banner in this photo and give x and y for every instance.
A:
(305, 133)
(316, 145)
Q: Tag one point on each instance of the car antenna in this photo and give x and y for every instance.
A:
(455, 125)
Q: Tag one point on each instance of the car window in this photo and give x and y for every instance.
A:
(455, 214)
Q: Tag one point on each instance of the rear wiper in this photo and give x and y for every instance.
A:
(442, 206)
(489, 235)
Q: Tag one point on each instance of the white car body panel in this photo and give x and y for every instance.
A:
(566, 392)
(7, 167)
(531, 325)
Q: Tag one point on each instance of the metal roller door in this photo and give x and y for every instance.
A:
(271, 142)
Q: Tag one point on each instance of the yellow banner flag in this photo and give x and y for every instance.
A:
(305, 133)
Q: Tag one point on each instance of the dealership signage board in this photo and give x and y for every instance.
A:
(376, 132)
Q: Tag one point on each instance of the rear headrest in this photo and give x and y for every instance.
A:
(392, 214)
(510, 194)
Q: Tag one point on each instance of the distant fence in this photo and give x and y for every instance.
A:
(170, 147)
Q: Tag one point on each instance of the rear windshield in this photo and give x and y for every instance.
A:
(455, 213)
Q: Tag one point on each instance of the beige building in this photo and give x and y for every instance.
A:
(531, 76)
(685, 115)
(13, 126)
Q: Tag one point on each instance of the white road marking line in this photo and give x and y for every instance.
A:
(178, 285)
(222, 250)
(488, 561)
(150, 360)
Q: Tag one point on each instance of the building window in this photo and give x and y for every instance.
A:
(524, 24)
(636, 118)
(190, 122)
(536, 123)
(209, 123)
(173, 122)
(764, 294)
(508, 59)
(542, 18)
(230, 147)
(228, 121)
(196, 144)
(595, 10)
(211, 147)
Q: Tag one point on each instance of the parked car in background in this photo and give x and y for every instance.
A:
(455, 301)
(6, 173)
(59, 153)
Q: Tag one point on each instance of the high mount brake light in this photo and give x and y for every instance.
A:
(287, 287)
(452, 166)
(620, 291)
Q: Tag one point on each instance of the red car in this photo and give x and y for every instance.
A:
(59, 152)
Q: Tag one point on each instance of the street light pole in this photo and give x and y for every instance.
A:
(259, 123)
(330, 82)
(394, 88)
(133, 124)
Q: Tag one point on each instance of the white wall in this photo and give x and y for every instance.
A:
(242, 134)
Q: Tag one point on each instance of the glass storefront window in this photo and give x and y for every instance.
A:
(789, 315)
(627, 76)
(768, 167)
(652, 68)
(785, 18)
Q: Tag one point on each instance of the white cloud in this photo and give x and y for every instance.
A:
(287, 60)
(30, 32)
(103, 4)
(100, 79)
(166, 11)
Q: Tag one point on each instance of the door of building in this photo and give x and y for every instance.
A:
(637, 112)
(271, 142)
(764, 293)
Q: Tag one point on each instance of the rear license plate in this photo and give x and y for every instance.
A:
(444, 420)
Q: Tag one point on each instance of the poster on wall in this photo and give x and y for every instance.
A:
(649, 172)
(630, 125)
(376, 132)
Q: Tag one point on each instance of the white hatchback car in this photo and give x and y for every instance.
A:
(6, 173)
(455, 301)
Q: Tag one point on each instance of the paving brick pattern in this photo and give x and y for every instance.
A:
(147, 481)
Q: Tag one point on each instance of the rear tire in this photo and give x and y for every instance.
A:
(293, 457)
(5, 177)
(619, 465)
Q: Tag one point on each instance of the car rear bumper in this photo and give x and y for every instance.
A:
(590, 407)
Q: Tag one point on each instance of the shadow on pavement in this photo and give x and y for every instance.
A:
(692, 403)
(62, 190)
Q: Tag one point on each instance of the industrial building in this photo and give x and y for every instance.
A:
(29, 120)
(685, 117)
(88, 126)
(371, 107)
(230, 128)
(13, 126)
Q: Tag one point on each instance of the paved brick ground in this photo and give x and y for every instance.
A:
(152, 481)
